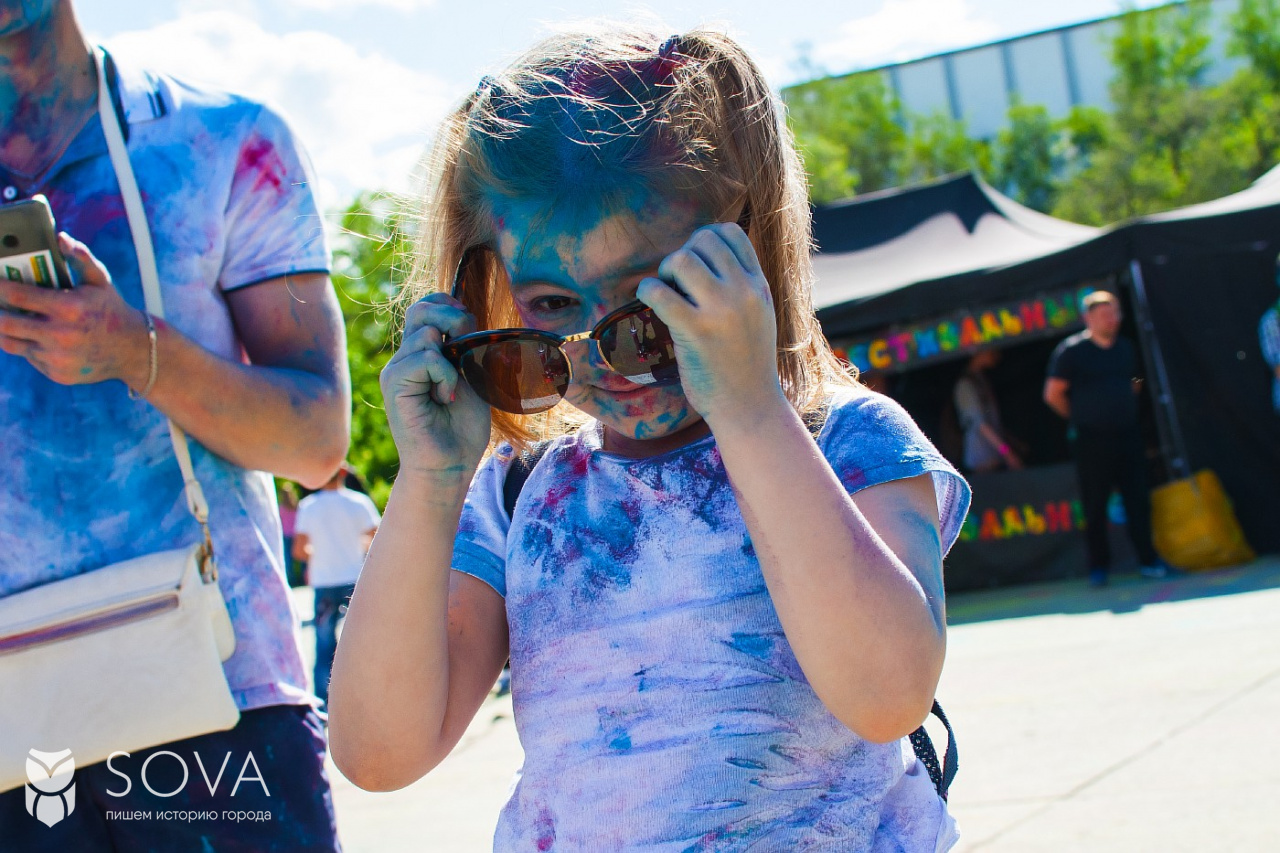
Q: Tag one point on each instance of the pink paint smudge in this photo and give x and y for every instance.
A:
(258, 159)
(545, 829)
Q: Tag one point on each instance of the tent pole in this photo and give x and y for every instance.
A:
(1172, 443)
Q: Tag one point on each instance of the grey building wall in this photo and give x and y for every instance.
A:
(1058, 69)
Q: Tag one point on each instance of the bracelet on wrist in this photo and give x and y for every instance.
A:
(153, 364)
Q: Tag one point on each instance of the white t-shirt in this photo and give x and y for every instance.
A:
(657, 699)
(336, 522)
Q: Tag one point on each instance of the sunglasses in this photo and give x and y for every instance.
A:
(526, 371)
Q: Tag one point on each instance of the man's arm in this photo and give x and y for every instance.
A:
(286, 411)
(301, 550)
(1055, 395)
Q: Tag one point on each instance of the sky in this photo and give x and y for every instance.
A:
(364, 82)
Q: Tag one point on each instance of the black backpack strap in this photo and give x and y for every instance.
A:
(815, 420)
(941, 774)
(518, 474)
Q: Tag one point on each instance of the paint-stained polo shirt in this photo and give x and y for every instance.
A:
(660, 706)
(90, 476)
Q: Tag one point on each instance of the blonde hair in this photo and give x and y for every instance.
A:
(624, 110)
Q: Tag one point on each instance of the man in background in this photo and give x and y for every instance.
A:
(249, 360)
(334, 528)
(1093, 383)
(1269, 340)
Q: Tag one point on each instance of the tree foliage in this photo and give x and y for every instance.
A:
(857, 146)
(368, 261)
(853, 138)
(1171, 138)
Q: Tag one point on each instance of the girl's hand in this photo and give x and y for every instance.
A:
(440, 426)
(725, 331)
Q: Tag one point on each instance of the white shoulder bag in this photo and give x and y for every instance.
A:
(128, 656)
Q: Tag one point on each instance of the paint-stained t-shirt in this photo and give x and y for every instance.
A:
(657, 699)
(90, 476)
(1269, 339)
(1101, 381)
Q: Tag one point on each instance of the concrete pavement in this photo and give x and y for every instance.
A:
(1138, 717)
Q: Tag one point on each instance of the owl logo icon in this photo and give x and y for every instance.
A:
(51, 792)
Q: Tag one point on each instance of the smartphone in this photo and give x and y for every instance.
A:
(29, 245)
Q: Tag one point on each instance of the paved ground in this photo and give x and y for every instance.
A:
(1139, 717)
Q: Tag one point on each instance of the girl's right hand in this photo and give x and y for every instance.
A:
(440, 426)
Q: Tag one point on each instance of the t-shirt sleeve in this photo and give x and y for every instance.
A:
(480, 546)
(1269, 336)
(870, 439)
(274, 226)
(370, 509)
(1061, 363)
(305, 523)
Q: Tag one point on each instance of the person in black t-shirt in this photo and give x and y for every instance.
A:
(1093, 383)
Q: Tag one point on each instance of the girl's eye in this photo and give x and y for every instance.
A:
(551, 304)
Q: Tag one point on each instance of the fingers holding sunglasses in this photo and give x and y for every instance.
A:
(441, 311)
(726, 335)
(439, 426)
(421, 349)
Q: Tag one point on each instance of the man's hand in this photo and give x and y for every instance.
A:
(80, 336)
(1055, 396)
(294, 384)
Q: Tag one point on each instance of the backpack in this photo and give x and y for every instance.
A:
(941, 774)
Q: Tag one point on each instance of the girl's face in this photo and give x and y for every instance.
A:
(568, 269)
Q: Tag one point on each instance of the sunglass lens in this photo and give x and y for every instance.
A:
(520, 376)
(640, 347)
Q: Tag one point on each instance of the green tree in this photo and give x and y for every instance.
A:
(1255, 36)
(848, 134)
(1160, 123)
(940, 145)
(1254, 92)
(1027, 156)
(1171, 138)
(369, 256)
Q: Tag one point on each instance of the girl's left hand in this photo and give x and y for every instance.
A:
(725, 330)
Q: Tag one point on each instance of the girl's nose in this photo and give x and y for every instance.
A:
(585, 354)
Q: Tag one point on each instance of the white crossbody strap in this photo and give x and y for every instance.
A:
(146, 267)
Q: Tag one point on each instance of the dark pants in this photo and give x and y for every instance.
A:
(331, 605)
(1109, 459)
(290, 809)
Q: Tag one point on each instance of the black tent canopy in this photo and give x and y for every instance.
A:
(1209, 273)
(933, 248)
(1200, 278)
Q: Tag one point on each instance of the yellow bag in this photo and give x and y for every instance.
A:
(1194, 526)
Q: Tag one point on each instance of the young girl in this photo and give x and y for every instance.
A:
(721, 593)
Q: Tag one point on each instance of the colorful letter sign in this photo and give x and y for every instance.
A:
(961, 334)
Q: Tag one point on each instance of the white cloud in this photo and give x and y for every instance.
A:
(364, 118)
(902, 30)
(253, 8)
(405, 6)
